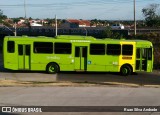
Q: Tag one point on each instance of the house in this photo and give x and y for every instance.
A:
(21, 21)
(74, 23)
(35, 24)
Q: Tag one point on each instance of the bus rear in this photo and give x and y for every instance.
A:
(144, 56)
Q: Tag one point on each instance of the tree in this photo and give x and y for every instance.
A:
(151, 14)
(107, 33)
(2, 16)
(16, 20)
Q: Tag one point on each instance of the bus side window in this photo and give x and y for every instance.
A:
(127, 49)
(144, 53)
(62, 48)
(138, 53)
(97, 49)
(149, 53)
(77, 51)
(113, 49)
(10, 46)
(20, 49)
(43, 47)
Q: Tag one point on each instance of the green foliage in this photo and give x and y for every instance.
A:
(152, 16)
(117, 36)
(107, 33)
(15, 20)
(2, 16)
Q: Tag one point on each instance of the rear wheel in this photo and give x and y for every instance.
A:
(52, 68)
(125, 70)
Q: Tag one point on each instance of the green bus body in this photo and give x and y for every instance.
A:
(77, 53)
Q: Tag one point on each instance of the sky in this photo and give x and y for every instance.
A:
(75, 9)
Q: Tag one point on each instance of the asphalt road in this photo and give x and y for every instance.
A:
(80, 96)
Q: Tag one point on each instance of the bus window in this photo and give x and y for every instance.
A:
(127, 49)
(20, 49)
(149, 53)
(113, 49)
(27, 48)
(138, 53)
(77, 52)
(144, 53)
(97, 49)
(62, 48)
(84, 52)
(43, 47)
(10, 46)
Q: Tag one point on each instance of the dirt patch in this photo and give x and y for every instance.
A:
(14, 83)
(32, 83)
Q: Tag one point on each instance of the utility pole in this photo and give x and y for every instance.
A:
(25, 9)
(56, 25)
(15, 28)
(135, 18)
(85, 30)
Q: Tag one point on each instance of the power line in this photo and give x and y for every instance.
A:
(87, 3)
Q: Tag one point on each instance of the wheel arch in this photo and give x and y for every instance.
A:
(129, 65)
(53, 63)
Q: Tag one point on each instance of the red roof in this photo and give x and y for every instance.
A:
(80, 22)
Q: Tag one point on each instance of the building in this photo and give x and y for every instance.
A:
(74, 23)
(35, 24)
(21, 21)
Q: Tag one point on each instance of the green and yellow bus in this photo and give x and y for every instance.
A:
(77, 53)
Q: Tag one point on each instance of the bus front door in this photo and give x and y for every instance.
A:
(80, 58)
(144, 59)
(24, 56)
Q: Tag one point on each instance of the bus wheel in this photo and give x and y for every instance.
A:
(125, 70)
(52, 68)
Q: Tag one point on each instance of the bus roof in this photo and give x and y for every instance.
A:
(74, 38)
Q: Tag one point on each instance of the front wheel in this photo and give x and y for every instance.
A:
(125, 70)
(52, 68)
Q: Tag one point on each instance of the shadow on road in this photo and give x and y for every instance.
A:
(140, 79)
(101, 78)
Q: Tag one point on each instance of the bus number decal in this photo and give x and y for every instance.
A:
(129, 58)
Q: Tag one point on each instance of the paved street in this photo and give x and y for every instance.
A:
(80, 96)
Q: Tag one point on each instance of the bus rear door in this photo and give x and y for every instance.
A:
(24, 56)
(80, 58)
(144, 59)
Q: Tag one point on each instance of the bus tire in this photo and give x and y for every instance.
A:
(125, 70)
(52, 68)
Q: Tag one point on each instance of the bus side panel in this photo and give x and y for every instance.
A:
(111, 63)
(96, 63)
(40, 61)
(65, 61)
